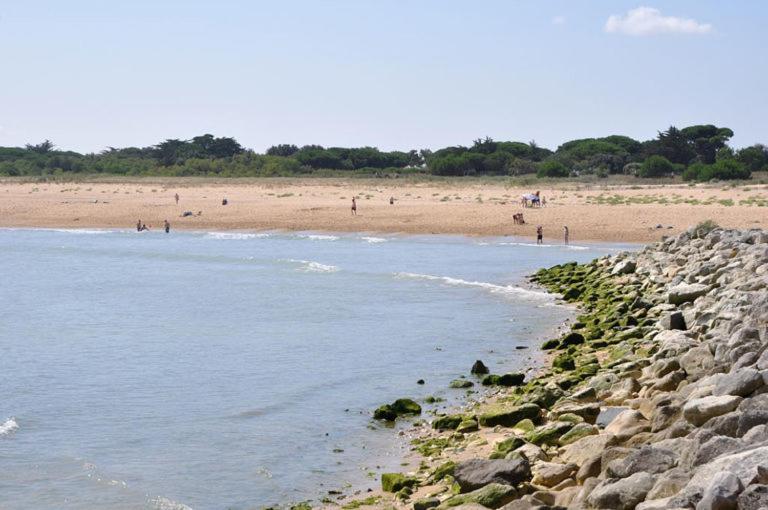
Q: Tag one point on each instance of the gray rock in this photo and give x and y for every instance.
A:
(715, 447)
(697, 361)
(626, 266)
(669, 484)
(590, 468)
(754, 497)
(741, 383)
(673, 320)
(742, 464)
(721, 493)
(647, 459)
(476, 473)
(686, 292)
(627, 424)
(581, 450)
(550, 474)
(621, 494)
(700, 410)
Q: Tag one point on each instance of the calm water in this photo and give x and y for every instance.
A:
(223, 370)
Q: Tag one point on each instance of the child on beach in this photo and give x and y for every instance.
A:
(539, 235)
(354, 207)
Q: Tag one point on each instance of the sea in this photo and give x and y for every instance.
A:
(239, 370)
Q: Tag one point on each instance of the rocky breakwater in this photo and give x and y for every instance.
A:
(656, 399)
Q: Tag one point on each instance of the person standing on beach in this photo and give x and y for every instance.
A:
(539, 235)
(354, 207)
(176, 196)
(565, 233)
(167, 226)
(391, 200)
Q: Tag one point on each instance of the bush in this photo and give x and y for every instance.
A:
(725, 169)
(632, 169)
(656, 166)
(704, 228)
(552, 168)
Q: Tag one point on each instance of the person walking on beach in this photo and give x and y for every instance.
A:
(391, 200)
(539, 235)
(176, 196)
(354, 207)
(167, 226)
(565, 233)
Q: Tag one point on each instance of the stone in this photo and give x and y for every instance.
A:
(577, 432)
(503, 447)
(697, 361)
(508, 417)
(754, 497)
(648, 459)
(700, 410)
(571, 338)
(715, 447)
(473, 474)
(626, 266)
(621, 494)
(743, 464)
(468, 425)
(590, 468)
(741, 383)
(673, 320)
(512, 379)
(426, 503)
(627, 424)
(669, 483)
(400, 407)
(448, 422)
(588, 411)
(479, 368)
(460, 383)
(548, 434)
(581, 450)
(721, 493)
(550, 474)
(393, 482)
(686, 292)
(493, 495)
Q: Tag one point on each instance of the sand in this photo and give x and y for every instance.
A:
(593, 212)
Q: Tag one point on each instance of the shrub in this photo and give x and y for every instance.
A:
(552, 168)
(704, 228)
(656, 166)
(725, 169)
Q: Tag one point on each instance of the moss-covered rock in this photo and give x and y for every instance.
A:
(549, 433)
(509, 416)
(564, 361)
(460, 383)
(400, 407)
(511, 379)
(448, 422)
(550, 344)
(393, 482)
(502, 448)
(571, 338)
(493, 495)
(468, 425)
(443, 470)
(426, 503)
(577, 432)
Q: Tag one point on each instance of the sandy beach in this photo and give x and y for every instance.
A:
(593, 212)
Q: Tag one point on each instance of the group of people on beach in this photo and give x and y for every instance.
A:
(533, 200)
(141, 227)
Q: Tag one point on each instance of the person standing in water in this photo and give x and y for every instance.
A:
(167, 226)
(354, 207)
(176, 196)
(138, 226)
(565, 233)
(539, 235)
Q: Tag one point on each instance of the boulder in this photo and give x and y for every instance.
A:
(460, 383)
(509, 416)
(479, 368)
(721, 493)
(393, 482)
(476, 473)
(549, 433)
(743, 464)
(468, 425)
(579, 451)
(647, 459)
(512, 379)
(673, 320)
(742, 383)
(493, 495)
(754, 497)
(686, 292)
(669, 483)
(697, 361)
(550, 474)
(715, 447)
(426, 503)
(588, 411)
(577, 432)
(627, 424)
(621, 494)
(626, 266)
(448, 422)
(700, 410)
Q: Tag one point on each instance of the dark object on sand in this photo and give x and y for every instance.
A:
(479, 368)
(420, 381)
(186, 213)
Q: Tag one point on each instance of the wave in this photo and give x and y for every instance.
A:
(374, 240)
(9, 426)
(161, 503)
(534, 245)
(510, 290)
(311, 266)
(234, 235)
(81, 231)
(318, 237)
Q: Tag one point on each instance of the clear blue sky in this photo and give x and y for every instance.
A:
(392, 74)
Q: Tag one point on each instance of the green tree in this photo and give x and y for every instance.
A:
(552, 168)
(656, 166)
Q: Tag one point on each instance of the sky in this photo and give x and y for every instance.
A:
(392, 74)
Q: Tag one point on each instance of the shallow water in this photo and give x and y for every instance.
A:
(227, 370)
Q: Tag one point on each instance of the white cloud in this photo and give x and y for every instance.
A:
(649, 21)
(558, 20)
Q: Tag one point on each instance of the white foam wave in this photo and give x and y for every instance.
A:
(9, 426)
(234, 235)
(311, 266)
(374, 240)
(534, 245)
(510, 290)
(161, 503)
(319, 237)
(80, 231)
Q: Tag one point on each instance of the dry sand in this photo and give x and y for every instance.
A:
(628, 213)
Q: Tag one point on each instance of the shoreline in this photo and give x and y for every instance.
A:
(644, 404)
(592, 211)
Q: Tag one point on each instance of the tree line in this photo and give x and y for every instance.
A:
(699, 152)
